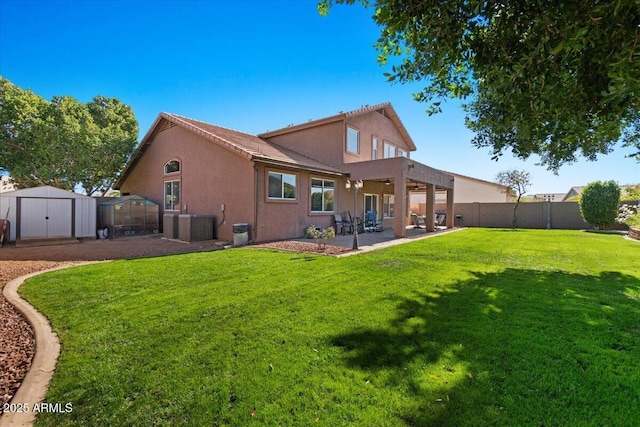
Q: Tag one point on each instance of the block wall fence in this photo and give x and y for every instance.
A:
(565, 215)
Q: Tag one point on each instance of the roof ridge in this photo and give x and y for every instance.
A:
(213, 135)
(366, 108)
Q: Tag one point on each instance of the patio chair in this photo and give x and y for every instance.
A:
(371, 222)
(342, 225)
(356, 222)
(418, 221)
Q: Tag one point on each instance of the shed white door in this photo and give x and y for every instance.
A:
(45, 218)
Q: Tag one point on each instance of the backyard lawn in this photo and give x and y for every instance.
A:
(475, 328)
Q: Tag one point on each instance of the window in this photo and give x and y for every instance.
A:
(389, 150)
(353, 140)
(172, 166)
(172, 195)
(322, 195)
(388, 205)
(374, 149)
(282, 186)
(402, 153)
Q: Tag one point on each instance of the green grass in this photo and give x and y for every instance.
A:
(475, 328)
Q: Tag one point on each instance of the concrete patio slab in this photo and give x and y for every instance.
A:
(377, 237)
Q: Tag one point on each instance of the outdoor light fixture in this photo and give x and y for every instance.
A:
(387, 182)
(357, 185)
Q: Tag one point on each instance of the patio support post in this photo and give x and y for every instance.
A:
(430, 215)
(450, 210)
(400, 195)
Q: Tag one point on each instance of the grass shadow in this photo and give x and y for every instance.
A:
(518, 347)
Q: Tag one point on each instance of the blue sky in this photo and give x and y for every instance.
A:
(249, 65)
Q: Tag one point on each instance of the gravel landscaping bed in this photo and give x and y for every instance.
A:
(17, 343)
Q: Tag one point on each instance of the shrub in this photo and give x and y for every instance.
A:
(629, 214)
(321, 236)
(599, 203)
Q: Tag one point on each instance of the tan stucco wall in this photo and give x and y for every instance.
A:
(529, 215)
(469, 191)
(278, 219)
(373, 125)
(210, 176)
(324, 143)
(327, 142)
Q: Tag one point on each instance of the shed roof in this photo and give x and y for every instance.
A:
(45, 191)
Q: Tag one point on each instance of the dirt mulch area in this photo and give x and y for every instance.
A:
(106, 249)
(17, 344)
(306, 247)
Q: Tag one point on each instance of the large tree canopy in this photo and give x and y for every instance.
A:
(63, 142)
(553, 78)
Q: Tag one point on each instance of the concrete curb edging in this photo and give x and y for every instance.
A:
(36, 382)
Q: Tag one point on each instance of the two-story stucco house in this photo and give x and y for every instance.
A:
(282, 181)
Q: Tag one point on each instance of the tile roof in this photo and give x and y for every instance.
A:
(251, 146)
(243, 144)
(384, 108)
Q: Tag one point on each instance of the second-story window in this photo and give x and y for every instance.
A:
(389, 150)
(403, 153)
(353, 140)
(374, 149)
(172, 166)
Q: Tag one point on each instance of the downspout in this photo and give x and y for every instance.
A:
(255, 203)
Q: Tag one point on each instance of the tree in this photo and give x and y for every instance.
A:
(551, 78)
(599, 203)
(517, 183)
(63, 142)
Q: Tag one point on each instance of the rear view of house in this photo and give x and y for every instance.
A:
(282, 181)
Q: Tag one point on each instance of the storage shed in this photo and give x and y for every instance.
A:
(128, 216)
(48, 213)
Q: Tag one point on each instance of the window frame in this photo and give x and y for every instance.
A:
(374, 200)
(164, 168)
(374, 148)
(174, 205)
(282, 197)
(347, 145)
(323, 193)
(387, 145)
(402, 153)
(388, 205)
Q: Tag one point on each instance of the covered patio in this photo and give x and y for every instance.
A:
(397, 177)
